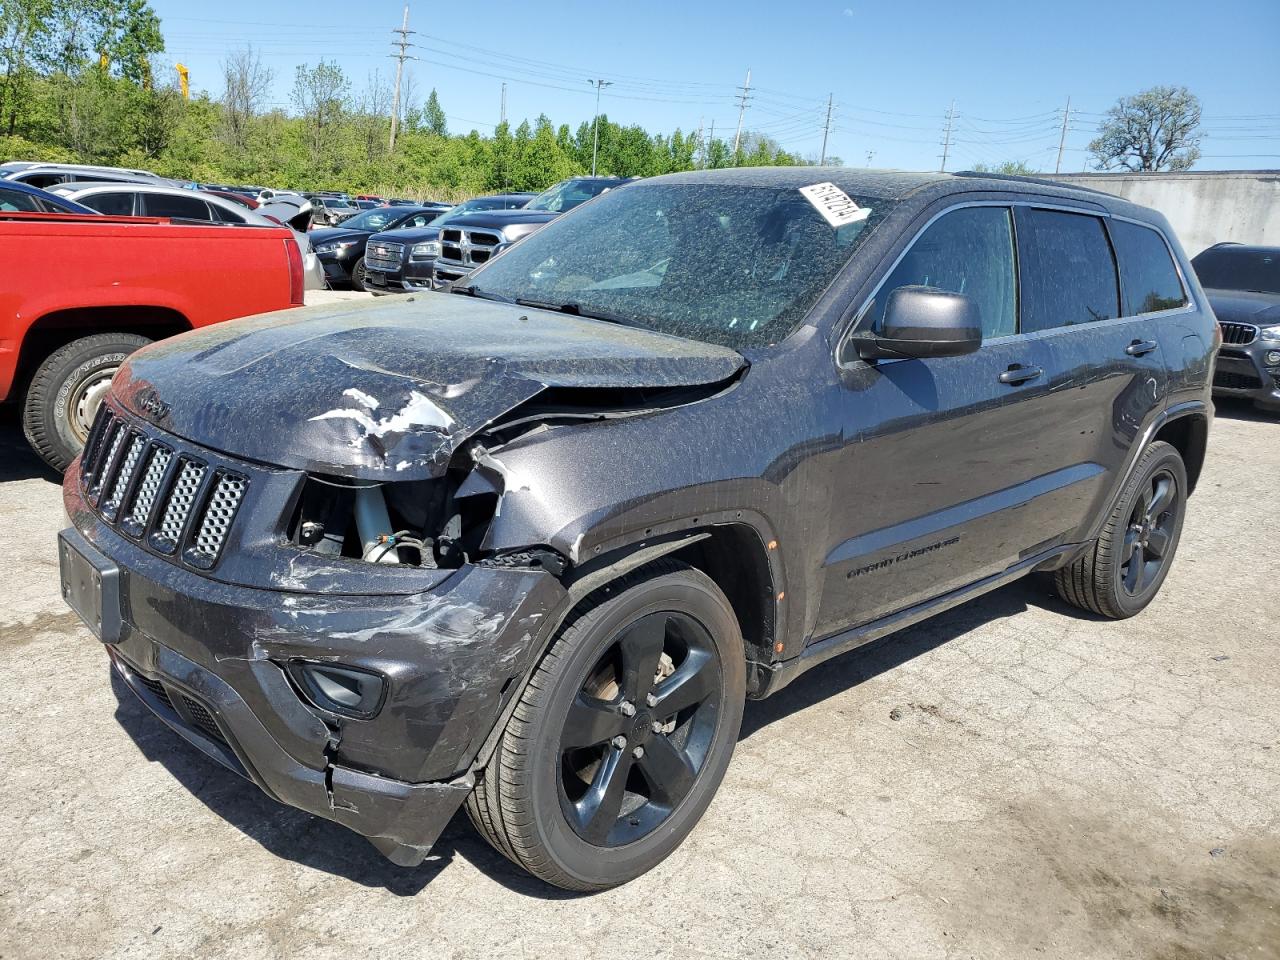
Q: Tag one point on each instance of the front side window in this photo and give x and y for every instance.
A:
(967, 251)
(1069, 273)
(728, 264)
(1147, 274)
(111, 204)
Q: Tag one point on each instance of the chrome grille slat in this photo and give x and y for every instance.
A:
(221, 510)
(384, 256)
(125, 473)
(118, 433)
(181, 500)
(149, 487)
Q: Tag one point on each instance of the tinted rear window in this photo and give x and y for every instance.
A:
(1147, 274)
(112, 204)
(1239, 268)
(192, 208)
(1069, 276)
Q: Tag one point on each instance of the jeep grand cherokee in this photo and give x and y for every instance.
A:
(528, 546)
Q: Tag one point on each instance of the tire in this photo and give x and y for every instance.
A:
(1119, 575)
(530, 799)
(357, 275)
(65, 392)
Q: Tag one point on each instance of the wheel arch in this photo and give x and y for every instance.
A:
(1188, 433)
(56, 329)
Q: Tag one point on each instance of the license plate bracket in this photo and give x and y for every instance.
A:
(90, 585)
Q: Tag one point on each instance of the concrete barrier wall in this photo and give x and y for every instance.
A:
(1204, 208)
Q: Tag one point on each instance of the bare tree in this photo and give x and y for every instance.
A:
(1158, 129)
(246, 83)
(374, 105)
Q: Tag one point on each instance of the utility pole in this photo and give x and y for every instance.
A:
(825, 130)
(742, 108)
(1062, 138)
(502, 112)
(946, 142)
(711, 138)
(595, 124)
(870, 154)
(702, 153)
(404, 44)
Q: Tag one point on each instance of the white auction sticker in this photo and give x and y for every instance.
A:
(836, 206)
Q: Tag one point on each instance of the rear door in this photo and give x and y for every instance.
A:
(1108, 368)
(948, 474)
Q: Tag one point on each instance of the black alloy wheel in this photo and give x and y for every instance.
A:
(1152, 526)
(622, 734)
(1122, 570)
(638, 731)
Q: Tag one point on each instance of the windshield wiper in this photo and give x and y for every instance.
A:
(576, 310)
(481, 294)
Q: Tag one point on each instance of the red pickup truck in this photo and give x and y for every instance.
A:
(82, 292)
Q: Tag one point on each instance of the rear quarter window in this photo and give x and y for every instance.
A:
(1148, 276)
(111, 204)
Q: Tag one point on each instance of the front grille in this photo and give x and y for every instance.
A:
(1238, 333)
(383, 256)
(1236, 381)
(468, 248)
(166, 499)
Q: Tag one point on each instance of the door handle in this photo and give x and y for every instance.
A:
(1140, 348)
(1019, 374)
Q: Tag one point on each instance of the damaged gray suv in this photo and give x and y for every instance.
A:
(529, 545)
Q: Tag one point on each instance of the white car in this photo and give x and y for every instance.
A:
(147, 200)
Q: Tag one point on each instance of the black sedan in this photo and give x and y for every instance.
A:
(341, 248)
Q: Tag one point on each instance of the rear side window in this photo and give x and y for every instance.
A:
(1147, 275)
(223, 215)
(1069, 273)
(190, 208)
(112, 204)
(967, 251)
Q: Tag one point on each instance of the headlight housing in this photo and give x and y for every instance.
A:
(337, 249)
(1270, 334)
(425, 251)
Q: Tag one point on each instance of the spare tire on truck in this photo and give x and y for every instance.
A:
(67, 390)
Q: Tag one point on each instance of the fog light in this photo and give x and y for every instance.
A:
(1273, 358)
(346, 691)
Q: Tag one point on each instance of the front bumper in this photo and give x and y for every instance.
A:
(413, 276)
(210, 660)
(1243, 371)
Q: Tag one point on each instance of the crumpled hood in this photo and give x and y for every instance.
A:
(390, 388)
(1241, 306)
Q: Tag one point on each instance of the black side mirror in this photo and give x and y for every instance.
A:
(925, 322)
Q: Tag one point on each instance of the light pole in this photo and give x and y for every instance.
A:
(595, 124)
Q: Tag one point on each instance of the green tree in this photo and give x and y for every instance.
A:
(322, 95)
(433, 117)
(1157, 129)
(1013, 168)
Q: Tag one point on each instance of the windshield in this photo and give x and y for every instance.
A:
(1228, 268)
(733, 265)
(373, 220)
(567, 195)
(340, 204)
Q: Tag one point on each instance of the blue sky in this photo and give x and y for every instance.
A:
(893, 67)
